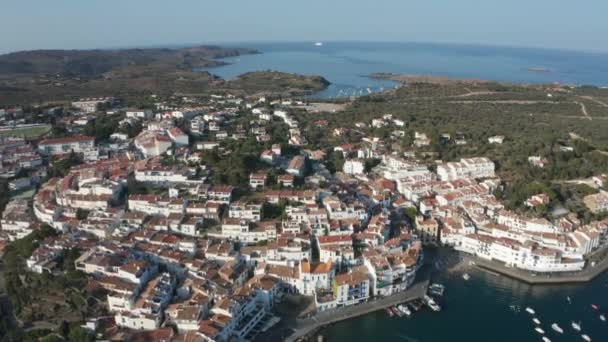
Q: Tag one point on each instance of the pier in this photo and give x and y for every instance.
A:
(304, 327)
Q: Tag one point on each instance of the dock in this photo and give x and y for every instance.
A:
(304, 327)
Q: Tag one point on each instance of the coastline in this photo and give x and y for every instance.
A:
(584, 276)
(304, 328)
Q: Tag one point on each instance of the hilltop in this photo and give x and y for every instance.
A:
(45, 75)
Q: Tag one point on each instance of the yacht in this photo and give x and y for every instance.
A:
(436, 289)
(576, 326)
(557, 328)
(530, 310)
(405, 310)
(431, 303)
(539, 330)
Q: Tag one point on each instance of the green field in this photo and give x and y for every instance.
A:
(27, 132)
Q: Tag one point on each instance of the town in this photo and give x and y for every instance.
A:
(197, 217)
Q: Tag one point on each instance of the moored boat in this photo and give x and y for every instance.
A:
(405, 310)
(557, 328)
(397, 311)
(546, 339)
(586, 338)
(539, 330)
(594, 307)
(536, 320)
(466, 276)
(436, 289)
(576, 326)
(602, 317)
(389, 312)
(431, 303)
(530, 310)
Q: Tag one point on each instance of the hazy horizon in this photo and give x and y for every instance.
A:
(73, 24)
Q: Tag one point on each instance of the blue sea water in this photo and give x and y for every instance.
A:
(346, 64)
(488, 307)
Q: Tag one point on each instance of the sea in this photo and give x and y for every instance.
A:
(488, 307)
(347, 64)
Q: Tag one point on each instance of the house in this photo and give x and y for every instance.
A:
(77, 144)
(257, 180)
(296, 166)
(144, 114)
(497, 139)
(178, 136)
(352, 287)
(427, 230)
(286, 181)
(537, 200)
(354, 167)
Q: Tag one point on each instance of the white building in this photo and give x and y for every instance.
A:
(354, 167)
(480, 167)
(78, 144)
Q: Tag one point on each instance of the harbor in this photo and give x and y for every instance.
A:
(496, 299)
(307, 327)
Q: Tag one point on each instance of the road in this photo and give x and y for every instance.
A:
(584, 110)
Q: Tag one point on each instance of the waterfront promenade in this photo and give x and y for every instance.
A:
(304, 327)
(600, 257)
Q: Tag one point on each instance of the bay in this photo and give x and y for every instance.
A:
(346, 64)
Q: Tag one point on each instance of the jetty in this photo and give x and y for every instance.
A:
(304, 327)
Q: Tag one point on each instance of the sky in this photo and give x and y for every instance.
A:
(79, 24)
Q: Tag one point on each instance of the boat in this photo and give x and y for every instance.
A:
(416, 305)
(602, 318)
(586, 338)
(389, 313)
(576, 326)
(557, 328)
(431, 303)
(405, 310)
(569, 300)
(594, 307)
(436, 289)
(536, 320)
(546, 339)
(466, 276)
(318, 44)
(397, 311)
(530, 310)
(539, 330)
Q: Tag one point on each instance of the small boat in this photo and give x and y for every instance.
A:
(546, 339)
(569, 300)
(557, 328)
(576, 326)
(416, 305)
(405, 310)
(389, 313)
(397, 312)
(586, 338)
(602, 318)
(318, 44)
(539, 330)
(530, 310)
(436, 289)
(536, 320)
(594, 307)
(466, 276)
(431, 303)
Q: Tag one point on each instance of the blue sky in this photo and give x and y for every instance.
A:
(43, 24)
